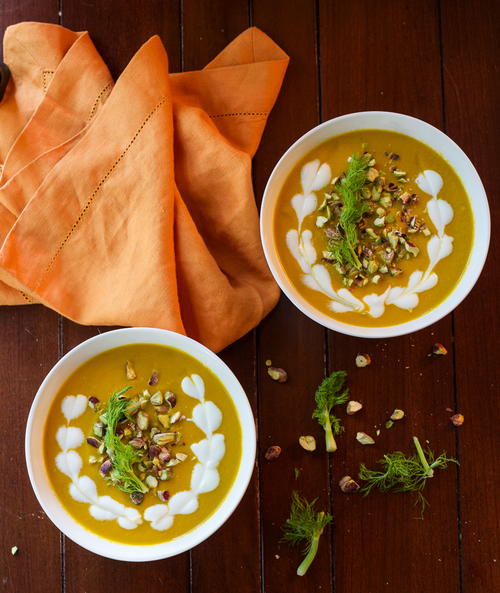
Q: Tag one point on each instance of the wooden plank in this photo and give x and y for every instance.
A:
(218, 564)
(118, 31)
(471, 90)
(386, 56)
(28, 349)
(286, 337)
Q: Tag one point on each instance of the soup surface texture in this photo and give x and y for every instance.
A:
(373, 228)
(182, 463)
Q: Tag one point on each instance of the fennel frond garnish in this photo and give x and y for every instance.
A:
(403, 473)
(122, 455)
(342, 249)
(331, 392)
(305, 524)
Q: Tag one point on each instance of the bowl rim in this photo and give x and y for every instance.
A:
(465, 283)
(49, 500)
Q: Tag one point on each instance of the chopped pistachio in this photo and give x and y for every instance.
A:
(353, 407)
(439, 350)
(321, 221)
(372, 174)
(389, 424)
(153, 380)
(164, 420)
(142, 420)
(308, 443)
(457, 419)
(176, 416)
(364, 438)
(348, 485)
(269, 362)
(151, 482)
(277, 374)
(157, 398)
(130, 371)
(98, 429)
(14, 550)
(397, 414)
(379, 222)
(272, 452)
(390, 219)
(386, 202)
(363, 360)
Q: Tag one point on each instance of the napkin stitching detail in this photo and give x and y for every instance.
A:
(26, 297)
(98, 98)
(96, 190)
(46, 78)
(240, 113)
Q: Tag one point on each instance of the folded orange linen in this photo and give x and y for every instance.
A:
(132, 204)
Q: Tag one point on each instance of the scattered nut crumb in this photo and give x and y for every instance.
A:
(438, 350)
(130, 371)
(449, 410)
(273, 453)
(457, 419)
(308, 443)
(363, 360)
(397, 414)
(297, 472)
(277, 374)
(269, 362)
(14, 550)
(277, 556)
(377, 432)
(353, 407)
(364, 438)
(153, 380)
(347, 484)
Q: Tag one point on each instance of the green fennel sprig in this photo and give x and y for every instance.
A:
(353, 207)
(403, 473)
(122, 456)
(305, 524)
(331, 392)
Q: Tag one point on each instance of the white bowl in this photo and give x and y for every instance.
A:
(34, 445)
(404, 124)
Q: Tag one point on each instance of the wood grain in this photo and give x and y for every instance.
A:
(364, 66)
(28, 349)
(471, 91)
(286, 337)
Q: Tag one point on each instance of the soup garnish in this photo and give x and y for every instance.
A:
(373, 228)
(366, 218)
(154, 457)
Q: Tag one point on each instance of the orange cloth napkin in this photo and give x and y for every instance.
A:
(132, 203)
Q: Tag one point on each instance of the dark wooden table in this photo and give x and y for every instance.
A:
(437, 61)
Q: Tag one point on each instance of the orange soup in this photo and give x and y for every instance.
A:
(373, 228)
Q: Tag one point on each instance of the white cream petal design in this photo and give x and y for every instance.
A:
(183, 503)
(210, 452)
(73, 406)
(158, 516)
(69, 463)
(207, 417)
(314, 176)
(194, 387)
(204, 479)
(69, 437)
(304, 204)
